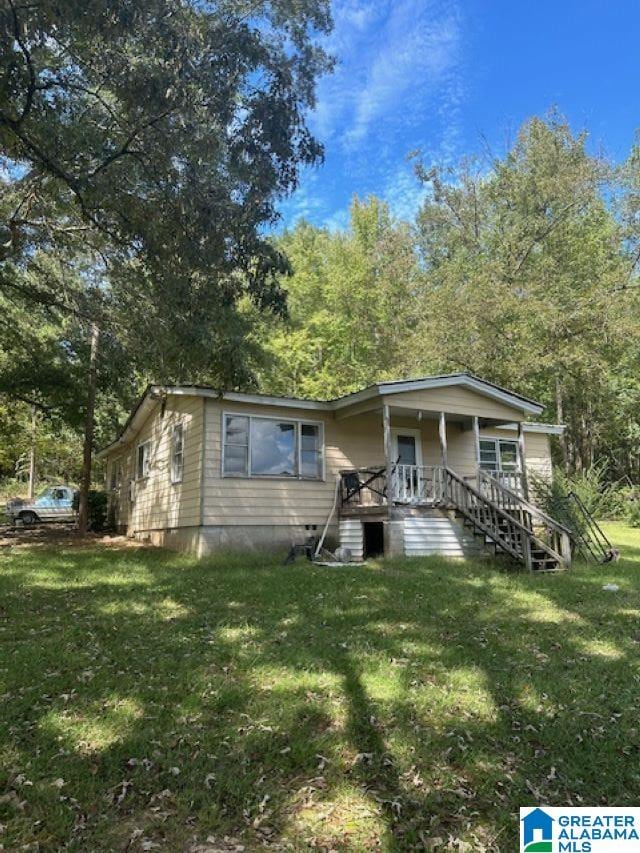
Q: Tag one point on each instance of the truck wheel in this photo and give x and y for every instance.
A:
(28, 518)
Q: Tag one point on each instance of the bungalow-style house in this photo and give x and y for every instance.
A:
(438, 465)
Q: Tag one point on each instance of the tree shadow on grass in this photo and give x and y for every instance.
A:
(303, 706)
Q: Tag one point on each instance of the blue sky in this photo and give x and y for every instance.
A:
(442, 75)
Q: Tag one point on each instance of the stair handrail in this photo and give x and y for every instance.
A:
(594, 534)
(562, 536)
(526, 534)
(532, 508)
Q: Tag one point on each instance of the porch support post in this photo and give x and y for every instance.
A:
(476, 438)
(388, 461)
(443, 438)
(523, 462)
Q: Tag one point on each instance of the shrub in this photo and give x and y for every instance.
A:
(632, 514)
(601, 499)
(97, 510)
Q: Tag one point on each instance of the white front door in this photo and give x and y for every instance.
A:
(407, 454)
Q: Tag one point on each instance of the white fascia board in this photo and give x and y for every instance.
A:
(546, 429)
(140, 415)
(466, 381)
(372, 392)
(257, 399)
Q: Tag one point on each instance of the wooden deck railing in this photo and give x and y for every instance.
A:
(516, 526)
(410, 484)
(512, 480)
(363, 486)
(517, 539)
(417, 484)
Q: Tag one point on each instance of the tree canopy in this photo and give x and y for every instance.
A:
(519, 268)
(160, 136)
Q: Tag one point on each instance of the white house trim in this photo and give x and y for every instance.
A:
(382, 389)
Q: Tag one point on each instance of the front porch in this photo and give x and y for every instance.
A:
(418, 450)
(366, 491)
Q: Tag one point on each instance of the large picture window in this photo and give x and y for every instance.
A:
(498, 454)
(270, 447)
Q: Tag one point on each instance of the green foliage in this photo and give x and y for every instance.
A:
(163, 132)
(143, 150)
(521, 270)
(522, 262)
(58, 448)
(632, 515)
(98, 501)
(350, 300)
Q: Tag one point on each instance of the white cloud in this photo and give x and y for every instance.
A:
(414, 56)
(394, 58)
(403, 192)
(399, 86)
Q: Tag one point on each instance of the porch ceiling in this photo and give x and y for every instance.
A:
(404, 413)
(466, 421)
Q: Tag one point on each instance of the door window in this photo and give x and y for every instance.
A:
(406, 445)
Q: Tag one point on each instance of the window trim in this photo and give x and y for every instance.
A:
(145, 475)
(496, 443)
(174, 426)
(298, 422)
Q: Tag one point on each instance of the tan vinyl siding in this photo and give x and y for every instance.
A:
(454, 400)
(349, 443)
(206, 497)
(158, 503)
(265, 500)
(538, 454)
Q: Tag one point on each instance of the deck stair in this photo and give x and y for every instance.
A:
(509, 522)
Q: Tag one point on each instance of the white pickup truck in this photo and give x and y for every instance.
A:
(55, 503)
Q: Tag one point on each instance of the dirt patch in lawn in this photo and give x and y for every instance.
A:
(64, 535)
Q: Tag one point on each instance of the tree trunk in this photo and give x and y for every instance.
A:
(560, 419)
(89, 425)
(32, 454)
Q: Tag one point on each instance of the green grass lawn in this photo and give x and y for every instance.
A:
(150, 701)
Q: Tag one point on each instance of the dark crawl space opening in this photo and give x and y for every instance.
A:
(373, 539)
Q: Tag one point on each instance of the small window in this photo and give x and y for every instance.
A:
(488, 455)
(115, 476)
(177, 453)
(310, 452)
(142, 464)
(499, 455)
(508, 456)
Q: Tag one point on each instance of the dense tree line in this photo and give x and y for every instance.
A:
(143, 150)
(520, 268)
